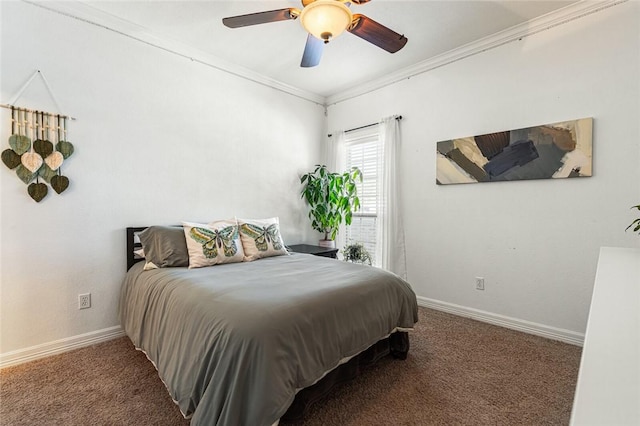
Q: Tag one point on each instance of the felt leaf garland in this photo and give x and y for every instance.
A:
(10, 158)
(20, 144)
(59, 183)
(32, 161)
(43, 147)
(25, 174)
(65, 148)
(46, 173)
(37, 191)
(42, 158)
(54, 161)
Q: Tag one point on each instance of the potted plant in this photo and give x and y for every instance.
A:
(356, 253)
(636, 223)
(332, 198)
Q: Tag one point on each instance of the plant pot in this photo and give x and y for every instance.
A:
(327, 243)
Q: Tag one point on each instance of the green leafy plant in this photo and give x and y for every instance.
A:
(332, 198)
(636, 223)
(356, 253)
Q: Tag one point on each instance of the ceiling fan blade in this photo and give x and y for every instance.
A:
(312, 52)
(261, 17)
(378, 34)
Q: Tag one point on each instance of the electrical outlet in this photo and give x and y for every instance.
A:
(84, 301)
(479, 283)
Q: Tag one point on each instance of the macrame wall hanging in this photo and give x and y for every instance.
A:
(38, 146)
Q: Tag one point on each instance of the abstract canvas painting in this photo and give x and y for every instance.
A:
(558, 150)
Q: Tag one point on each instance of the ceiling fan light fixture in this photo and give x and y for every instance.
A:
(326, 19)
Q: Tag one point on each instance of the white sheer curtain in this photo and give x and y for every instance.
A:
(335, 157)
(390, 254)
(336, 154)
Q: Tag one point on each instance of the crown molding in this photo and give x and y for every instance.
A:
(93, 16)
(517, 32)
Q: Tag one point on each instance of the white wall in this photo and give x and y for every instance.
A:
(536, 243)
(158, 138)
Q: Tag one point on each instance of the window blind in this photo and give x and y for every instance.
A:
(362, 152)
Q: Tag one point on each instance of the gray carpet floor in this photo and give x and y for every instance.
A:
(458, 372)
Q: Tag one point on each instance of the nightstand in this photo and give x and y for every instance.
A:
(314, 250)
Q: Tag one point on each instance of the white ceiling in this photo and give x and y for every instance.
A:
(274, 50)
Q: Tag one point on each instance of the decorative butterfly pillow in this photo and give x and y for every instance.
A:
(212, 244)
(261, 238)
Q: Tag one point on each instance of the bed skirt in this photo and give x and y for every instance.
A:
(397, 344)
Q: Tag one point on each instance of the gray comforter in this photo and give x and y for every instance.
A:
(233, 343)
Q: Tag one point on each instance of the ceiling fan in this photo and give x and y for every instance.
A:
(325, 20)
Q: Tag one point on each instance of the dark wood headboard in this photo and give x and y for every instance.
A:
(132, 245)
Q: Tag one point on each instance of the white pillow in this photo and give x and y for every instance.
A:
(212, 244)
(261, 238)
(149, 266)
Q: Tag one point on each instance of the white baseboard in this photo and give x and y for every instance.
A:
(59, 346)
(542, 330)
(75, 342)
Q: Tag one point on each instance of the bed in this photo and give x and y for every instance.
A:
(252, 343)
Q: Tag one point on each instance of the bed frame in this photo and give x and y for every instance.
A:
(133, 244)
(397, 344)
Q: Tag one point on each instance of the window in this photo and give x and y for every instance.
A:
(378, 224)
(362, 152)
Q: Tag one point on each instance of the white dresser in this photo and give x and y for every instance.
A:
(608, 388)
